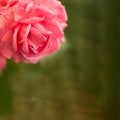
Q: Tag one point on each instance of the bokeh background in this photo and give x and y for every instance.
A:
(81, 81)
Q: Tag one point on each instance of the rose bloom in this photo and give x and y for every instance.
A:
(30, 29)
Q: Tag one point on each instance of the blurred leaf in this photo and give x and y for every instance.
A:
(6, 95)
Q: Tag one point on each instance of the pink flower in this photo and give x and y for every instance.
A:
(31, 29)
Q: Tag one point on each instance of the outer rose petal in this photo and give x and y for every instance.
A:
(6, 45)
(2, 62)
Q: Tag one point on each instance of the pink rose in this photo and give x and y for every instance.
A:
(31, 29)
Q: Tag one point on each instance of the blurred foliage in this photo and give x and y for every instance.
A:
(81, 81)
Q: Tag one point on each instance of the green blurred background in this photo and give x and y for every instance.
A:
(81, 81)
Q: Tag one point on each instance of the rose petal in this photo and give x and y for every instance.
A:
(6, 45)
(2, 62)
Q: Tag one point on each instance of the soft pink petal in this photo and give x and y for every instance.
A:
(17, 57)
(6, 45)
(15, 37)
(2, 62)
